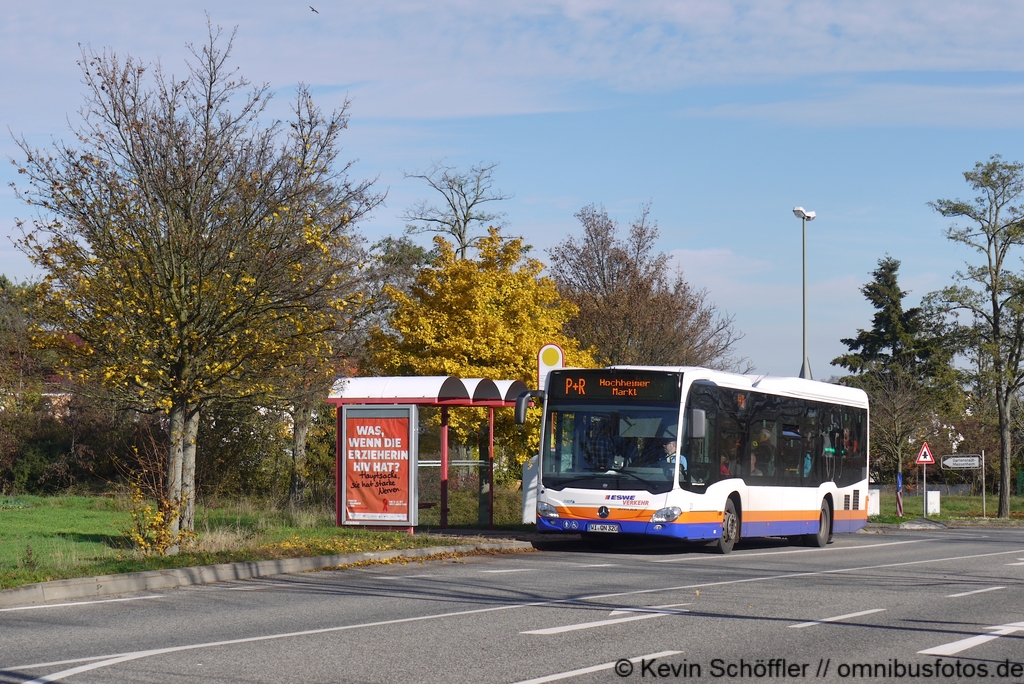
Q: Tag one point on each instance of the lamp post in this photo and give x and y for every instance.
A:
(805, 216)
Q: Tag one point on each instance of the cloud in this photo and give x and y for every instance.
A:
(457, 58)
(885, 104)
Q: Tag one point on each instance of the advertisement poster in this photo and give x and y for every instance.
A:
(378, 465)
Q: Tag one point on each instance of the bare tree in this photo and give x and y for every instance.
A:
(900, 413)
(463, 194)
(632, 310)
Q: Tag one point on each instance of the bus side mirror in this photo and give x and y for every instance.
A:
(523, 400)
(698, 423)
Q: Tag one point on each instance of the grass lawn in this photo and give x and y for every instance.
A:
(952, 508)
(59, 537)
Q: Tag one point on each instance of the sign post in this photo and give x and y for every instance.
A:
(961, 462)
(969, 462)
(899, 494)
(549, 358)
(377, 466)
(925, 458)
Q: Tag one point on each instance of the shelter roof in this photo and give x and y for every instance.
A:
(440, 390)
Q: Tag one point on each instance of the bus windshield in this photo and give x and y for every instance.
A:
(589, 446)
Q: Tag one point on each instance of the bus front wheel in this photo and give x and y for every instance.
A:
(824, 535)
(730, 529)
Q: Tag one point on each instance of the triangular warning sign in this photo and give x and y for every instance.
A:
(924, 456)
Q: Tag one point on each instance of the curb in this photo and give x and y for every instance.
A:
(151, 580)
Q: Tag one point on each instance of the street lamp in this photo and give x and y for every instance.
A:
(805, 216)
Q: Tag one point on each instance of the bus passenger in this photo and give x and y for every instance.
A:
(765, 450)
(657, 451)
(600, 449)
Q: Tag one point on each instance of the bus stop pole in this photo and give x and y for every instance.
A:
(925, 490)
(490, 465)
(444, 467)
(983, 497)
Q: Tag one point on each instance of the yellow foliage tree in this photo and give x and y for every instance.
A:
(485, 317)
(191, 253)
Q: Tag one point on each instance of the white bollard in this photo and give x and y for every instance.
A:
(874, 502)
(933, 502)
(531, 482)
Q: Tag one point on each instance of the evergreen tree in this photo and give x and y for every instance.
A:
(904, 364)
(908, 339)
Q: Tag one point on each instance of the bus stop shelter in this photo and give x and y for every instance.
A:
(445, 392)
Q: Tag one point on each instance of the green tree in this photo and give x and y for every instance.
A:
(992, 293)
(472, 318)
(190, 253)
(629, 307)
(898, 337)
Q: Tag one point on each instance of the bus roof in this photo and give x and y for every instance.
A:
(786, 387)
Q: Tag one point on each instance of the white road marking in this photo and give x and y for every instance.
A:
(113, 659)
(596, 623)
(257, 587)
(596, 668)
(81, 603)
(779, 553)
(1015, 563)
(54, 663)
(955, 647)
(649, 609)
(611, 565)
(976, 591)
(398, 577)
(498, 572)
(837, 618)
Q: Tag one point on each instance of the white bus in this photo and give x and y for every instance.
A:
(697, 454)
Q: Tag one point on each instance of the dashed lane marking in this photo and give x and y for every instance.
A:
(955, 647)
(837, 618)
(649, 609)
(634, 613)
(81, 603)
(498, 572)
(398, 577)
(976, 591)
(596, 623)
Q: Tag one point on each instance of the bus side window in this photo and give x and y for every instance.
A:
(700, 453)
(810, 469)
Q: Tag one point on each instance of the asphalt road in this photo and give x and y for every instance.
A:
(906, 605)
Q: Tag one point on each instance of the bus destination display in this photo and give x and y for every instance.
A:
(603, 384)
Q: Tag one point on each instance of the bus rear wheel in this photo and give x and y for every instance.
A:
(824, 535)
(730, 529)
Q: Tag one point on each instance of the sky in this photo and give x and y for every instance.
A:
(724, 116)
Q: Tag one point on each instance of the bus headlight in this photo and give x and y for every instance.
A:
(546, 510)
(663, 515)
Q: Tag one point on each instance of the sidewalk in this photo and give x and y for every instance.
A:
(153, 580)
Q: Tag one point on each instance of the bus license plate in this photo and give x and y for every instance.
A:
(598, 527)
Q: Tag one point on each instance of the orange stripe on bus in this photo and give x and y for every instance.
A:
(851, 515)
(590, 513)
(779, 516)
